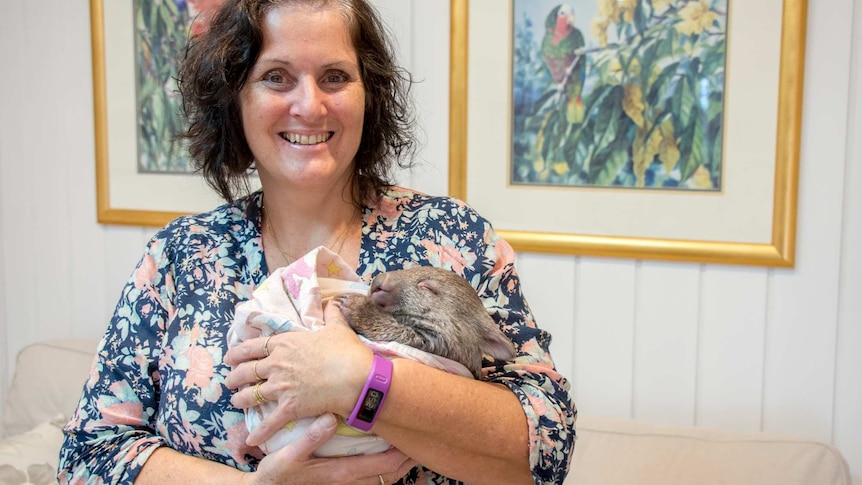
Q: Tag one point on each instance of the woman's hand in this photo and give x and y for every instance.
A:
(306, 373)
(295, 463)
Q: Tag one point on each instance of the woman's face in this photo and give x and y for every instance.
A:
(303, 103)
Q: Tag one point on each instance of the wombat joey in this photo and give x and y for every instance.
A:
(430, 309)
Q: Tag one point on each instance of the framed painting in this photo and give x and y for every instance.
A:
(646, 129)
(143, 176)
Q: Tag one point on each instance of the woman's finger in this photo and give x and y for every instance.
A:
(254, 395)
(256, 348)
(248, 372)
(333, 315)
(269, 425)
(318, 433)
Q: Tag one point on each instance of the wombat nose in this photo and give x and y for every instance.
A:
(379, 283)
(382, 297)
(375, 283)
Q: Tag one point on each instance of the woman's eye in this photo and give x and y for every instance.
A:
(336, 77)
(273, 77)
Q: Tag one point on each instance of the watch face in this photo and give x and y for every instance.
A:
(369, 405)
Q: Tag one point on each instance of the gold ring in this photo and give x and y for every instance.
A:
(382, 482)
(266, 346)
(257, 395)
(259, 378)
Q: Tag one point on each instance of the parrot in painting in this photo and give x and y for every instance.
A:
(566, 66)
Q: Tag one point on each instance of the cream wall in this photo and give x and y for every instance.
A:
(732, 347)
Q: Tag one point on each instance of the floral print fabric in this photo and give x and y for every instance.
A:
(158, 376)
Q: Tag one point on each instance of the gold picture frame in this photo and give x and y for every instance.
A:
(778, 248)
(124, 196)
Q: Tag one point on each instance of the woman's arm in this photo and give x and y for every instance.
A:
(461, 428)
(166, 465)
(112, 432)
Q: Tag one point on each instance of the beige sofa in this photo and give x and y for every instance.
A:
(49, 375)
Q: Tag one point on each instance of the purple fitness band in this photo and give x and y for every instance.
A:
(373, 394)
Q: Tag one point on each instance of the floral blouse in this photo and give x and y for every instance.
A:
(158, 377)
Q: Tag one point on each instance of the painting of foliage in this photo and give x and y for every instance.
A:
(161, 30)
(619, 93)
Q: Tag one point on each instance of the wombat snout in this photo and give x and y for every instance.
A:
(384, 295)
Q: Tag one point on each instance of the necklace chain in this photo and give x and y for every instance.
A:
(342, 238)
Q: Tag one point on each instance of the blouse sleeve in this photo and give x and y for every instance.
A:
(543, 392)
(112, 432)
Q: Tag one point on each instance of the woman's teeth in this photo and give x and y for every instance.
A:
(306, 139)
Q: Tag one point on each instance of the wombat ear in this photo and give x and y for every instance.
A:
(497, 345)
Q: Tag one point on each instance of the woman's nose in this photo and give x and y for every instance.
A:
(308, 100)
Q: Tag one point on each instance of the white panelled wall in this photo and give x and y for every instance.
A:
(741, 348)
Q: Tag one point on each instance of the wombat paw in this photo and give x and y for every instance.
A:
(350, 305)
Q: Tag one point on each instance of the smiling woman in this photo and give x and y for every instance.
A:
(307, 94)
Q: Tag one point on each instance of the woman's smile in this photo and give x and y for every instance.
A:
(298, 139)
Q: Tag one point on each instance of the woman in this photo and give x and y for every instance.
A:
(308, 94)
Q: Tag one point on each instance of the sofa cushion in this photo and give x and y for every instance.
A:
(49, 377)
(614, 451)
(31, 457)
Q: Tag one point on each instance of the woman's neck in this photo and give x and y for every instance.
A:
(291, 228)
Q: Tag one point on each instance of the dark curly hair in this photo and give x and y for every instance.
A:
(217, 64)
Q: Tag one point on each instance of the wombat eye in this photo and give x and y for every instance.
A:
(429, 286)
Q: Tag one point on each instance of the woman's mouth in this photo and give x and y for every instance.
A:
(307, 139)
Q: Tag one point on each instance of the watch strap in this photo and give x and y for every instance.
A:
(373, 395)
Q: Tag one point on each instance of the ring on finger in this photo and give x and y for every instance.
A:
(266, 346)
(382, 481)
(257, 395)
(254, 369)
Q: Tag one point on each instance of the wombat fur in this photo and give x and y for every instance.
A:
(430, 309)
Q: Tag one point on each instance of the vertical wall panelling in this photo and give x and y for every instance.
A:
(23, 117)
(803, 315)
(48, 138)
(604, 347)
(86, 313)
(8, 55)
(847, 425)
(397, 14)
(430, 69)
(731, 347)
(548, 282)
(665, 336)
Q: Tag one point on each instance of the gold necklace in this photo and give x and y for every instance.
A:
(342, 238)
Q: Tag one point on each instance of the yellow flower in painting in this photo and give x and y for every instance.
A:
(643, 152)
(641, 157)
(668, 148)
(627, 8)
(701, 179)
(599, 26)
(695, 18)
(633, 103)
(660, 6)
(561, 168)
(538, 164)
(607, 9)
(635, 68)
(615, 71)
